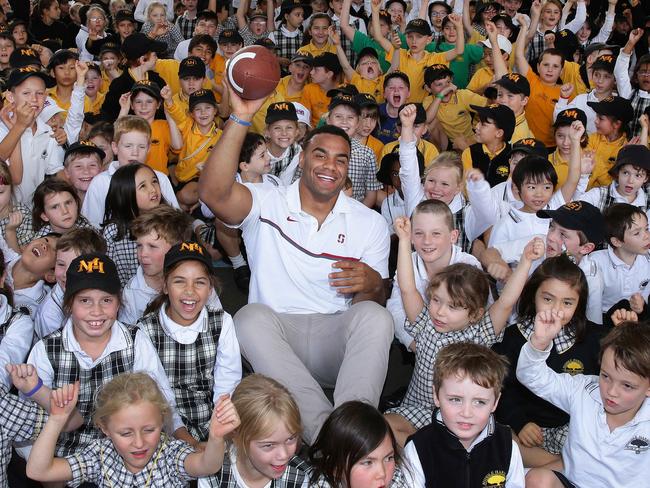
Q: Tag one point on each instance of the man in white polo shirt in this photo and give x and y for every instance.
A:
(318, 261)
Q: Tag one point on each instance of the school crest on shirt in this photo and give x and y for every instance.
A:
(495, 479)
(638, 444)
(503, 171)
(643, 284)
(573, 367)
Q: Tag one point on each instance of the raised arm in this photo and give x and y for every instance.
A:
(346, 28)
(569, 188)
(535, 14)
(270, 17)
(230, 201)
(21, 120)
(460, 40)
(621, 72)
(520, 48)
(376, 28)
(502, 308)
(240, 15)
(348, 70)
(174, 132)
(467, 21)
(432, 110)
(499, 66)
(411, 298)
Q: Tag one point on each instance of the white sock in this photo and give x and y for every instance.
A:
(237, 261)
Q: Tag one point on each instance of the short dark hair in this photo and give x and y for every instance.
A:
(251, 142)
(552, 52)
(397, 74)
(618, 218)
(202, 39)
(630, 343)
(49, 187)
(326, 129)
(535, 169)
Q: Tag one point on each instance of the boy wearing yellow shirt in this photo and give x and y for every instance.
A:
(319, 26)
(368, 123)
(485, 76)
(513, 91)
(199, 134)
(613, 114)
(428, 150)
(450, 105)
(191, 75)
(491, 153)
(325, 75)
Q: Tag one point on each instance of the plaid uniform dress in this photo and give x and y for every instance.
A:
(67, 371)
(287, 46)
(20, 421)
(100, 464)
(417, 406)
(190, 369)
(186, 26)
(25, 231)
(123, 252)
(295, 474)
(639, 104)
(606, 199)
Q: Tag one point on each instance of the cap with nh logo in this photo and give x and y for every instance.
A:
(92, 272)
(185, 251)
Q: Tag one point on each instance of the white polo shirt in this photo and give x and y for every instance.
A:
(17, 340)
(95, 199)
(395, 305)
(620, 280)
(41, 156)
(290, 257)
(49, 315)
(593, 455)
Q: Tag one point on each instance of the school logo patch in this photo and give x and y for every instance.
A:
(503, 171)
(573, 367)
(638, 444)
(495, 479)
(91, 266)
(341, 238)
(643, 284)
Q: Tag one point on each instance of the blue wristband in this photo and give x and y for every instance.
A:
(36, 388)
(236, 119)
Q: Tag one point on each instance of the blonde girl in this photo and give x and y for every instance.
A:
(131, 412)
(161, 29)
(263, 447)
(15, 218)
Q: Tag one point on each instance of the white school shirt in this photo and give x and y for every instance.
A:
(415, 474)
(622, 75)
(291, 258)
(592, 455)
(49, 316)
(95, 199)
(145, 359)
(392, 207)
(41, 156)
(227, 371)
(182, 50)
(75, 117)
(593, 196)
(579, 102)
(16, 342)
(620, 280)
(595, 287)
(395, 305)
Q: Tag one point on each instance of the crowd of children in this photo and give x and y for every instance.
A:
(477, 169)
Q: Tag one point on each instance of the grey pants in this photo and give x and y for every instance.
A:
(347, 351)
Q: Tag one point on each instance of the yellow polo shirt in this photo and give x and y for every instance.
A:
(455, 116)
(315, 99)
(168, 71)
(561, 167)
(522, 131)
(374, 87)
(157, 157)
(414, 69)
(605, 153)
(312, 49)
(466, 157)
(377, 147)
(428, 150)
(480, 80)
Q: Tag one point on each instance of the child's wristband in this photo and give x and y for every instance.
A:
(440, 96)
(239, 121)
(36, 388)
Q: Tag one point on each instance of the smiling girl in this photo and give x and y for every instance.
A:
(56, 208)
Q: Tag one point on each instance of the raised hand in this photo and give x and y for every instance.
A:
(621, 315)
(566, 90)
(587, 163)
(531, 435)
(637, 303)
(64, 400)
(407, 115)
(15, 219)
(335, 39)
(475, 175)
(548, 324)
(576, 131)
(23, 376)
(402, 226)
(635, 36)
(533, 250)
(166, 93)
(125, 100)
(224, 418)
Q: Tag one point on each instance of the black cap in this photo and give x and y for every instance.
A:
(515, 83)
(366, 100)
(92, 271)
(18, 75)
(567, 42)
(288, 5)
(569, 116)
(581, 216)
(185, 251)
(502, 116)
(191, 66)
(347, 89)
(600, 46)
(303, 58)
(420, 113)
(84, 147)
(368, 51)
(618, 107)
(634, 154)
(401, 2)
(436, 72)
(122, 15)
(329, 61)
(344, 99)
(202, 96)
(148, 87)
(267, 43)
(280, 111)
(419, 26)
(605, 63)
(230, 36)
(139, 44)
(110, 47)
(530, 146)
(24, 56)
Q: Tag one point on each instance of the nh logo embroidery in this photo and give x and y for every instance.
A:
(91, 266)
(281, 106)
(571, 114)
(191, 247)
